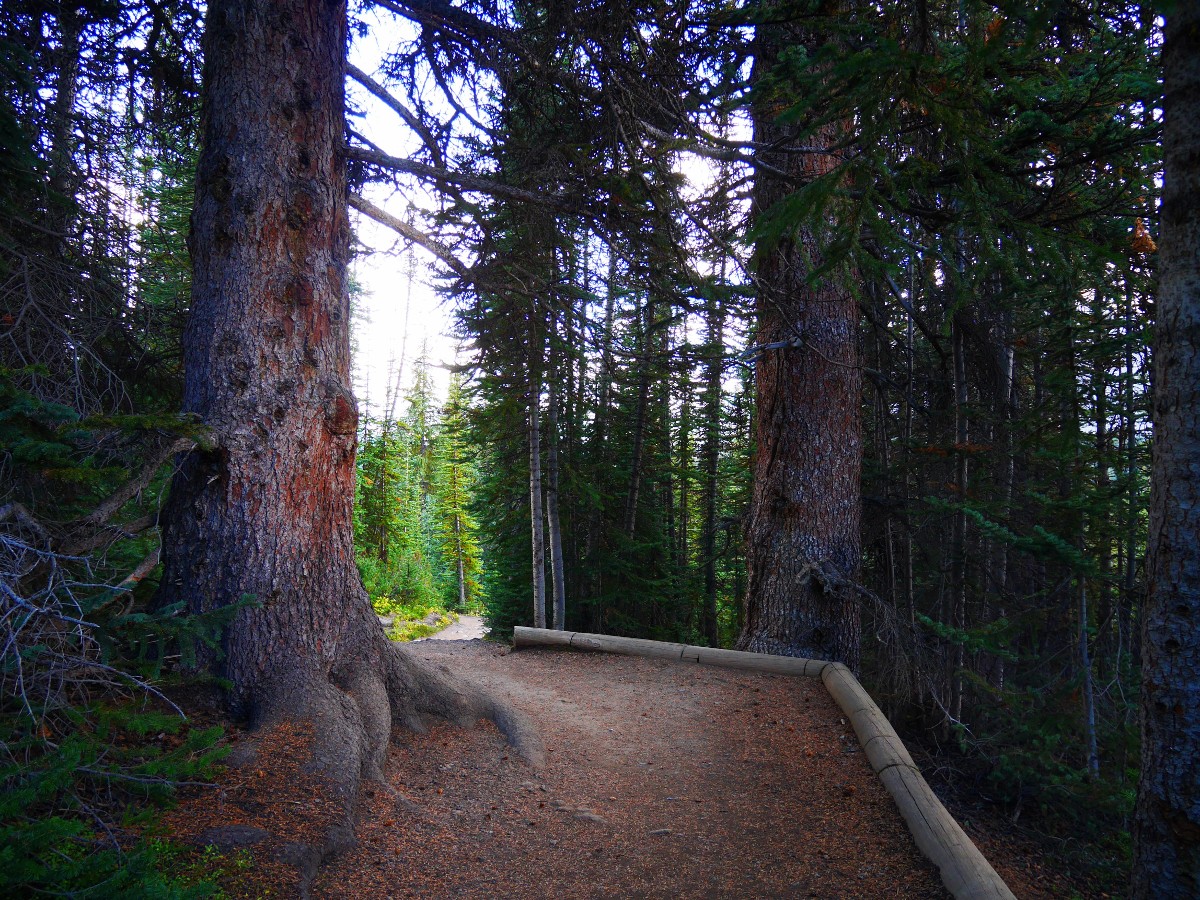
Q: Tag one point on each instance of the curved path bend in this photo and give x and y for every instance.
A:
(660, 780)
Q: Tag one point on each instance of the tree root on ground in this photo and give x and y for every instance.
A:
(355, 712)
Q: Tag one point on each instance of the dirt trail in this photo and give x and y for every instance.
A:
(467, 628)
(661, 780)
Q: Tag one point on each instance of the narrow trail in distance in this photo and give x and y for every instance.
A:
(467, 628)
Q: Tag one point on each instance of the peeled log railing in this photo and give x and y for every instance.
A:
(965, 872)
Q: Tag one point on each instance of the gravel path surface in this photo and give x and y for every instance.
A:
(660, 780)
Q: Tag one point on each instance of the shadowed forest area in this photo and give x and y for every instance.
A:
(827, 329)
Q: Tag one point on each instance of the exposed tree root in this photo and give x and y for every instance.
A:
(356, 711)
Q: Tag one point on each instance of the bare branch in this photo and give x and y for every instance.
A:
(410, 118)
(108, 533)
(18, 513)
(439, 14)
(469, 182)
(438, 249)
(118, 498)
(144, 568)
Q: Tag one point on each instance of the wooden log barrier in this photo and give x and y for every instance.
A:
(965, 872)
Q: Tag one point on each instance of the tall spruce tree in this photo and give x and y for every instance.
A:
(455, 481)
(1167, 826)
(264, 509)
(802, 538)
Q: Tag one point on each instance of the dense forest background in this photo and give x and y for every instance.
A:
(980, 178)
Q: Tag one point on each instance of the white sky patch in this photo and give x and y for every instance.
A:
(399, 311)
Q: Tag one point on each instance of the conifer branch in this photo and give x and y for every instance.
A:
(445, 176)
(107, 509)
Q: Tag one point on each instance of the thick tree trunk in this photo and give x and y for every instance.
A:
(265, 511)
(266, 351)
(1167, 821)
(802, 541)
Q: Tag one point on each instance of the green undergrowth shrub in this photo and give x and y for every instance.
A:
(393, 607)
(412, 620)
(73, 805)
(408, 609)
(410, 631)
(1031, 759)
(91, 748)
(403, 586)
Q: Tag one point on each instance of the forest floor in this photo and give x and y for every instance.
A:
(660, 779)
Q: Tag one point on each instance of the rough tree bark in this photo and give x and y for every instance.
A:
(1167, 821)
(802, 538)
(265, 510)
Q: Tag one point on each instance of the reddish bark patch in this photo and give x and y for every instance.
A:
(342, 415)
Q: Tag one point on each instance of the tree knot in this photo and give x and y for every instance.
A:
(341, 412)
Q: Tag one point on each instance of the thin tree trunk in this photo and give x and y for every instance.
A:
(639, 426)
(536, 516)
(956, 657)
(1077, 488)
(1089, 698)
(1103, 540)
(63, 176)
(1007, 480)
(458, 561)
(682, 550)
(574, 408)
(1132, 506)
(667, 481)
(1167, 820)
(711, 455)
(557, 578)
(916, 672)
(883, 449)
(604, 380)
